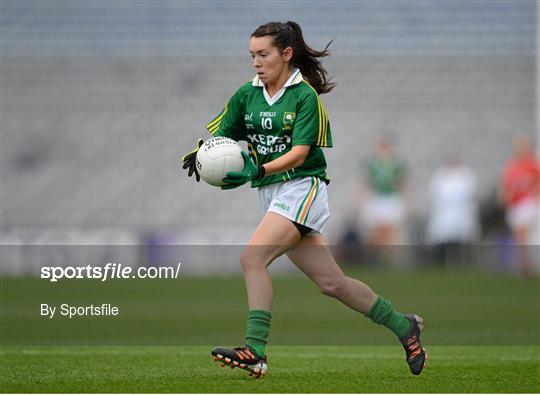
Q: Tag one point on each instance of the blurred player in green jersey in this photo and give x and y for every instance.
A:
(281, 116)
(384, 203)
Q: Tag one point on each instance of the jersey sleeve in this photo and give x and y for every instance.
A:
(230, 121)
(311, 126)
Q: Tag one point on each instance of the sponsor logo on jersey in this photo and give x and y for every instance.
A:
(248, 121)
(268, 140)
(268, 144)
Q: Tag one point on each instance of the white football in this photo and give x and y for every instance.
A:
(216, 157)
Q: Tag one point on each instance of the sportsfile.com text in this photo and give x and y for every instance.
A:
(109, 271)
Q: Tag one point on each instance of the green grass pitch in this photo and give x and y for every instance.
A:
(292, 369)
(482, 335)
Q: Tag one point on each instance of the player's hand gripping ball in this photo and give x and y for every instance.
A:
(189, 160)
(216, 157)
(250, 172)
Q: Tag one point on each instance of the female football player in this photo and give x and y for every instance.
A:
(281, 116)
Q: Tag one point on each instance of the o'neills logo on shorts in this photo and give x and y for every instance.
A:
(282, 206)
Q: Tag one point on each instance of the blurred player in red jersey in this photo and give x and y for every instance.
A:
(520, 194)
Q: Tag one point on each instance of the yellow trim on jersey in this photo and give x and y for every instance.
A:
(322, 137)
(324, 140)
(323, 124)
(213, 126)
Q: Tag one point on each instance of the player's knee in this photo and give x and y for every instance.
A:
(333, 287)
(250, 260)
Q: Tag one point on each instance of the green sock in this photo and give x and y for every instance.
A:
(258, 327)
(383, 313)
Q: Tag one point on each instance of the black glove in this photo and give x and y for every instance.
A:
(189, 160)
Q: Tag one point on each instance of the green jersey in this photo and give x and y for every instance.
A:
(272, 126)
(385, 176)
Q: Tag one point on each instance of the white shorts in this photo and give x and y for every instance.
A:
(383, 210)
(302, 200)
(523, 214)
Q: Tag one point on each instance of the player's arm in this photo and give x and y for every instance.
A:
(291, 160)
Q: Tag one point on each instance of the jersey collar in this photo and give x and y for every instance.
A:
(295, 78)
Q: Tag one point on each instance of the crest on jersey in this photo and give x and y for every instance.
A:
(288, 120)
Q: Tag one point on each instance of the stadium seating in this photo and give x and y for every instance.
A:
(100, 99)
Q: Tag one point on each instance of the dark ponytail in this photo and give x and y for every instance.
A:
(305, 58)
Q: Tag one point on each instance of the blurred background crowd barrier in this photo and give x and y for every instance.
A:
(100, 99)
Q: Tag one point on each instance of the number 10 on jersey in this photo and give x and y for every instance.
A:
(266, 123)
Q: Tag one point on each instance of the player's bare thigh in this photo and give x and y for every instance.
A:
(274, 236)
